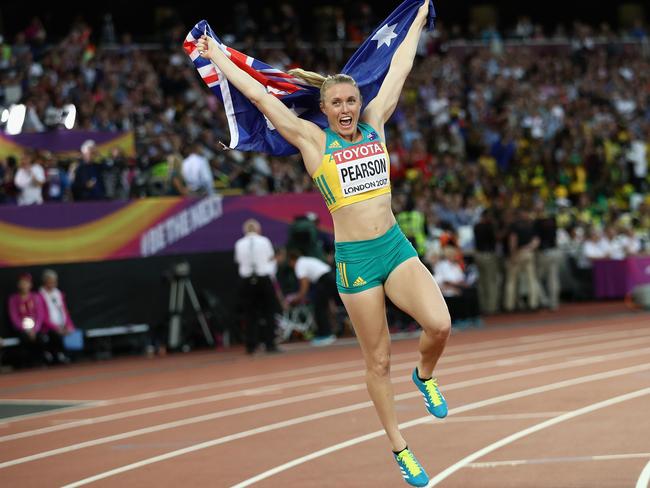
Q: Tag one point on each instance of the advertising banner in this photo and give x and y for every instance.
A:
(94, 231)
(66, 143)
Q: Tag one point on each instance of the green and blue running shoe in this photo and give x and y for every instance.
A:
(435, 402)
(412, 471)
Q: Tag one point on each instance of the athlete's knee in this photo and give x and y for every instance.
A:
(438, 325)
(378, 364)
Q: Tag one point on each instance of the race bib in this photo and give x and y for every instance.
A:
(361, 168)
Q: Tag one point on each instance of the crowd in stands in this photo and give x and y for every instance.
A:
(487, 133)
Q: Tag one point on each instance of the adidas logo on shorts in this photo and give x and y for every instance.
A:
(359, 281)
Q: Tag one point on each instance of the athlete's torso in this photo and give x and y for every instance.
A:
(353, 172)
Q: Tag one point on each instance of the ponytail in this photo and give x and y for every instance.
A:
(320, 81)
(311, 77)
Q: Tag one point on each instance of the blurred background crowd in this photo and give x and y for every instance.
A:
(522, 147)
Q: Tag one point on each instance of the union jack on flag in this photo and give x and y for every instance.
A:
(249, 129)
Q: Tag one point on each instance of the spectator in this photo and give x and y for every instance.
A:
(7, 177)
(615, 247)
(419, 161)
(176, 183)
(57, 183)
(503, 150)
(303, 236)
(487, 261)
(27, 313)
(197, 173)
(637, 161)
(575, 269)
(596, 246)
(412, 221)
(521, 245)
(314, 274)
(57, 322)
(549, 257)
(114, 175)
(29, 181)
(255, 257)
(460, 294)
(630, 242)
(88, 175)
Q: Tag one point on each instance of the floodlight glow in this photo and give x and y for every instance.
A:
(70, 117)
(16, 119)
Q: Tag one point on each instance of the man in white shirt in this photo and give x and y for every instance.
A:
(29, 180)
(197, 173)
(314, 274)
(254, 255)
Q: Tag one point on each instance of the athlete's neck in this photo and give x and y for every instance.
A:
(356, 137)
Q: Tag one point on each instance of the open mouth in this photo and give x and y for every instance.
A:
(346, 122)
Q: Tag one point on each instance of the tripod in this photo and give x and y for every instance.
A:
(181, 284)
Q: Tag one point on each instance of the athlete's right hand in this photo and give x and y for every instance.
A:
(206, 46)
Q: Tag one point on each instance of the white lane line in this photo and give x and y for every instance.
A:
(532, 430)
(319, 379)
(422, 420)
(319, 369)
(340, 376)
(311, 396)
(526, 339)
(568, 459)
(644, 478)
(500, 417)
(357, 440)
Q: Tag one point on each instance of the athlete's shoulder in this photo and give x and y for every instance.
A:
(369, 132)
(332, 141)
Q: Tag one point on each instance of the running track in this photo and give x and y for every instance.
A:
(560, 404)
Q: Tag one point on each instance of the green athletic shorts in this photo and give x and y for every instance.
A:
(361, 265)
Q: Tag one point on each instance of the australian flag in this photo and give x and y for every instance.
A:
(249, 129)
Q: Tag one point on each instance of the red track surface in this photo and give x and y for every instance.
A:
(530, 406)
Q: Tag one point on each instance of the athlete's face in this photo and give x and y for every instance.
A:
(342, 106)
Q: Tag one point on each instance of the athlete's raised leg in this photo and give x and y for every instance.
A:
(411, 287)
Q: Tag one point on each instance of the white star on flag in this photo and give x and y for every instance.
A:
(385, 35)
(297, 110)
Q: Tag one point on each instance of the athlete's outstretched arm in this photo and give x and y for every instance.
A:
(301, 133)
(382, 106)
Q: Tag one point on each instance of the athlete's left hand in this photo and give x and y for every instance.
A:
(206, 46)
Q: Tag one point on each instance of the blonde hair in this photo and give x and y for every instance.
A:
(323, 82)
